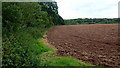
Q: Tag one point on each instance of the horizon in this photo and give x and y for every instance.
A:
(92, 18)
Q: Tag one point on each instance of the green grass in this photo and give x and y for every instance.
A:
(42, 48)
(48, 57)
(64, 61)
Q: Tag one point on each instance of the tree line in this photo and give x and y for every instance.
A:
(91, 21)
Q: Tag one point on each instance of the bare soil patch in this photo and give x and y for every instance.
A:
(94, 43)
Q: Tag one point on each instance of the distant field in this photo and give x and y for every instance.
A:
(94, 43)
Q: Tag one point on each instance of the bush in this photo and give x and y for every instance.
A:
(17, 50)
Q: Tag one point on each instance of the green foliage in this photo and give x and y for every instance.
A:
(52, 9)
(35, 32)
(23, 23)
(91, 21)
(18, 50)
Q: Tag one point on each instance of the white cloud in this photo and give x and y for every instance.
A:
(70, 9)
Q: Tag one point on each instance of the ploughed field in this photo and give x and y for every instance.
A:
(94, 43)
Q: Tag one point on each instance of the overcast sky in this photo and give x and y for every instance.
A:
(71, 9)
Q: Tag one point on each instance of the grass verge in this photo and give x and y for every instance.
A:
(48, 56)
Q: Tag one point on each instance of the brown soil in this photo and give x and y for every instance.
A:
(94, 43)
